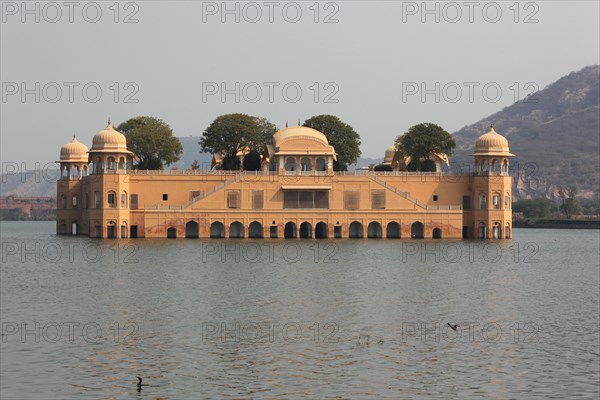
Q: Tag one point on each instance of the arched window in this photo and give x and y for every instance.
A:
(484, 167)
(496, 201)
(290, 164)
(496, 166)
(482, 201)
(97, 200)
(65, 172)
(122, 163)
(111, 199)
(321, 166)
(75, 201)
(507, 231)
(111, 163)
(84, 171)
(306, 164)
(507, 201)
(124, 200)
(63, 201)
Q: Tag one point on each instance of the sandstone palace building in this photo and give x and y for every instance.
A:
(297, 194)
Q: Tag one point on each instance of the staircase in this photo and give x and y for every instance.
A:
(204, 194)
(409, 197)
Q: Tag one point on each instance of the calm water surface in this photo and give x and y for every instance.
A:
(299, 319)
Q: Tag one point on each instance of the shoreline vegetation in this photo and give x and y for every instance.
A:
(553, 223)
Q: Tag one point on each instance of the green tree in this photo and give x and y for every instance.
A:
(382, 167)
(533, 208)
(344, 139)
(570, 204)
(267, 130)
(231, 133)
(424, 140)
(252, 161)
(152, 141)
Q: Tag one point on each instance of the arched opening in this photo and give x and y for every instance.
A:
(171, 233)
(191, 230)
(482, 231)
(504, 166)
(290, 164)
(497, 231)
(255, 230)
(417, 230)
(122, 163)
(496, 165)
(236, 230)
(321, 166)
(482, 202)
(393, 230)
(217, 230)
(305, 230)
(74, 228)
(123, 230)
(355, 230)
(111, 199)
(437, 233)
(124, 200)
(63, 201)
(84, 171)
(111, 230)
(63, 228)
(306, 164)
(111, 163)
(321, 230)
(289, 232)
(496, 201)
(507, 231)
(374, 230)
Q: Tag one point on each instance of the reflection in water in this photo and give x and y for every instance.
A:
(312, 319)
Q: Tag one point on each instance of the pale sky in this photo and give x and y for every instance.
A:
(368, 65)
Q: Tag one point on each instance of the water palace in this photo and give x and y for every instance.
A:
(297, 194)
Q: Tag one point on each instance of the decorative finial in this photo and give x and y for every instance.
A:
(286, 124)
(109, 120)
(491, 125)
(74, 135)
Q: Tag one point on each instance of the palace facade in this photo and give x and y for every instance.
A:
(297, 194)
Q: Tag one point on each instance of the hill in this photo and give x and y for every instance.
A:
(555, 135)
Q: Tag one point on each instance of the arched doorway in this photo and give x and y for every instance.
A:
(305, 230)
(289, 231)
(437, 233)
(497, 231)
(393, 230)
(355, 231)
(417, 230)
(321, 230)
(255, 230)
(191, 230)
(171, 233)
(374, 230)
(217, 230)
(482, 231)
(236, 230)
(507, 232)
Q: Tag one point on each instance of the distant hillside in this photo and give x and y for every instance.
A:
(191, 152)
(556, 136)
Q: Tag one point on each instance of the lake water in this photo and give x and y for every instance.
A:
(299, 318)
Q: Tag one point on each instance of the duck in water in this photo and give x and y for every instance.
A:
(140, 384)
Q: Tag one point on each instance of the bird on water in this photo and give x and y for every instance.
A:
(452, 326)
(140, 384)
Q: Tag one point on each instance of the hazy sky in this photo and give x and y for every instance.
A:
(379, 66)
